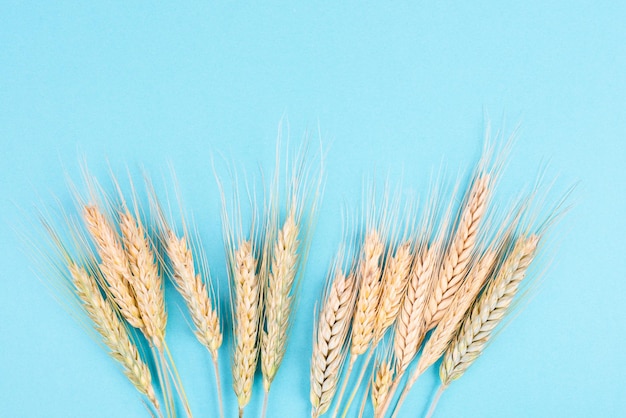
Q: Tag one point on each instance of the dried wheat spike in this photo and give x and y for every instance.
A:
(410, 326)
(369, 294)
(394, 281)
(113, 332)
(278, 299)
(113, 264)
(381, 384)
(191, 286)
(146, 280)
(488, 311)
(456, 260)
(247, 298)
(330, 339)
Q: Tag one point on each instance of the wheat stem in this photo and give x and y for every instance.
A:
(435, 401)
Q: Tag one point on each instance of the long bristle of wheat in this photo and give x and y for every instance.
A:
(330, 338)
(410, 326)
(439, 340)
(381, 384)
(113, 264)
(488, 311)
(369, 294)
(146, 281)
(194, 291)
(247, 293)
(456, 260)
(113, 332)
(394, 281)
(278, 299)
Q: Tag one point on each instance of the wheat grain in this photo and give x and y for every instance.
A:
(146, 280)
(456, 260)
(114, 264)
(330, 339)
(113, 332)
(488, 311)
(247, 297)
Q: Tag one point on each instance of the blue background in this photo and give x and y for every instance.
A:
(399, 89)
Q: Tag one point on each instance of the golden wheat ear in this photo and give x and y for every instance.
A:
(286, 253)
(241, 246)
(188, 269)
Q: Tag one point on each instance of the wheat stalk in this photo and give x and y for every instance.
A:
(113, 332)
(456, 260)
(114, 264)
(329, 341)
(278, 299)
(440, 338)
(247, 298)
(488, 311)
(146, 280)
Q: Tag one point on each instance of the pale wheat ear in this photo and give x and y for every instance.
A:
(245, 288)
(331, 333)
(189, 271)
(289, 250)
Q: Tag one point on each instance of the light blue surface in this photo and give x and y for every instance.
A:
(399, 88)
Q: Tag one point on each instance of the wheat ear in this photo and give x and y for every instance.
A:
(113, 264)
(456, 260)
(440, 338)
(247, 298)
(278, 299)
(394, 283)
(146, 280)
(330, 338)
(194, 291)
(191, 286)
(367, 301)
(113, 332)
(392, 288)
(381, 384)
(488, 311)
